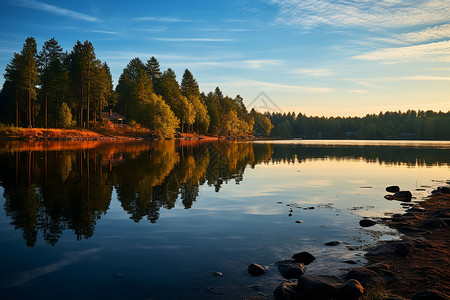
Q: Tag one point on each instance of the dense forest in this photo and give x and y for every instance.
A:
(53, 88)
(389, 125)
(56, 89)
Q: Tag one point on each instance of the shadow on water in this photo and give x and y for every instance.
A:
(50, 187)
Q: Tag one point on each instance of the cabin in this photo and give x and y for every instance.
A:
(114, 117)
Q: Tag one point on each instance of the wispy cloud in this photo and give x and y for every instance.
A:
(367, 13)
(192, 40)
(33, 4)
(314, 72)
(359, 91)
(439, 51)
(165, 20)
(104, 31)
(431, 33)
(306, 89)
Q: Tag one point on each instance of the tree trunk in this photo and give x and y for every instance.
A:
(46, 108)
(81, 102)
(17, 109)
(88, 91)
(30, 125)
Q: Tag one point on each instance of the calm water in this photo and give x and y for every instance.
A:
(155, 220)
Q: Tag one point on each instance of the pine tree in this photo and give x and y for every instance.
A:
(28, 74)
(154, 72)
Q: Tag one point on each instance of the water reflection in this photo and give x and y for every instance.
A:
(50, 187)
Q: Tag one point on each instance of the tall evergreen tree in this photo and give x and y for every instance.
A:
(28, 75)
(154, 72)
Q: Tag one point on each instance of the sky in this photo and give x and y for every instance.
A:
(317, 57)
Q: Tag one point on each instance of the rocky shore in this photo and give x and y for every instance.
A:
(415, 267)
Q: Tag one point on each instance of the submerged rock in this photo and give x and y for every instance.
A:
(333, 243)
(351, 290)
(404, 196)
(291, 269)
(255, 270)
(304, 257)
(404, 248)
(393, 189)
(366, 223)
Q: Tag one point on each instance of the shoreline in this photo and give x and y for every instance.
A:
(417, 266)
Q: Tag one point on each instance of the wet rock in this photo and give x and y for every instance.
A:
(404, 248)
(298, 221)
(291, 269)
(255, 270)
(287, 291)
(441, 190)
(351, 290)
(333, 243)
(393, 189)
(366, 223)
(364, 276)
(404, 196)
(304, 257)
(431, 224)
(289, 215)
(429, 295)
(217, 274)
(350, 262)
(319, 286)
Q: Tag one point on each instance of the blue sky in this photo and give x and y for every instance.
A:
(319, 57)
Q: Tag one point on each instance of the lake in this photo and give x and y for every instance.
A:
(155, 220)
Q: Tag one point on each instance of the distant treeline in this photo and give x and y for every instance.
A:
(389, 125)
(52, 88)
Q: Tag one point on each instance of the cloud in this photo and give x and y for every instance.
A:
(439, 51)
(165, 20)
(55, 10)
(368, 13)
(307, 89)
(192, 40)
(431, 33)
(359, 91)
(255, 64)
(314, 72)
(104, 31)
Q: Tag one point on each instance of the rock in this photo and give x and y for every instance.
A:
(393, 189)
(350, 262)
(441, 190)
(304, 257)
(286, 291)
(404, 248)
(429, 295)
(291, 269)
(364, 276)
(298, 221)
(319, 286)
(255, 270)
(333, 243)
(366, 223)
(431, 224)
(394, 297)
(404, 196)
(351, 290)
(217, 274)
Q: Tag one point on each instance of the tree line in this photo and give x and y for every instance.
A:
(53, 88)
(388, 125)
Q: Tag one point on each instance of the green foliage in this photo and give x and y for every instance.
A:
(64, 116)
(388, 125)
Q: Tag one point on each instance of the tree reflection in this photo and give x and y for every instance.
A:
(50, 188)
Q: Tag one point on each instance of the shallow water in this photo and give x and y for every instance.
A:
(155, 220)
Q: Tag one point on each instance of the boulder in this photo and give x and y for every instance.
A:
(304, 257)
(287, 291)
(291, 269)
(366, 223)
(350, 262)
(393, 189)
(255, 270)
(351, 290)
(429, 295)
(441, 190)
(319, 286)
(364, 276)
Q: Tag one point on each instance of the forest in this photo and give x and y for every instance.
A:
(56, 89)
